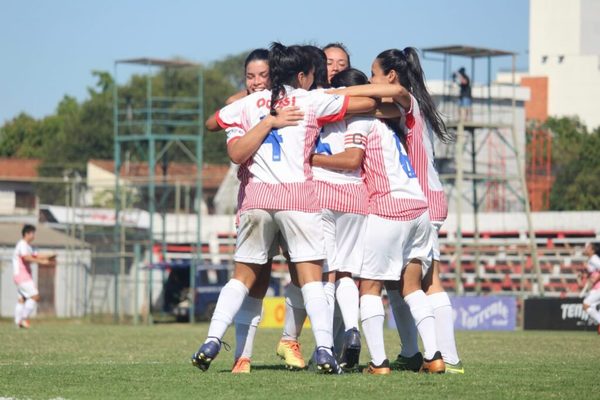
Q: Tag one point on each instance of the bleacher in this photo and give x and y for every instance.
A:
(505, 265)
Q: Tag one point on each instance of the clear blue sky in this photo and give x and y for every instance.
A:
(49, 48)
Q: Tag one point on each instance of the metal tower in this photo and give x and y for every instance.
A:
(485, 130)
(157, 127)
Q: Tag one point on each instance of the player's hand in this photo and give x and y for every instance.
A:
(288, 116)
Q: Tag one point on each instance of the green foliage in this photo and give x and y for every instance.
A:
(575, 165)
(78, 360)
(80, 131)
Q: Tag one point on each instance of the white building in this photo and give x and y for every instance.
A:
(564, 46)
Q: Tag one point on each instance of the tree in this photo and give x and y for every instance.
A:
(575, 165)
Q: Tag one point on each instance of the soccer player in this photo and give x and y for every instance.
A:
(398, 239)
(23, 257)
(592, 300)
(338, 59)
(278, 191)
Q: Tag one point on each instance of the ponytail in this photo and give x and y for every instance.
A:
(285, 63)
(410, 74)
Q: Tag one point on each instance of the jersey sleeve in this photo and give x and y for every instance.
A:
(329, 107)
(234, 134)
(231, 115)
(24, 250)
(357, 131)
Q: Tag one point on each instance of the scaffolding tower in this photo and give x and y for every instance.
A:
(164, 124)
(500, 139)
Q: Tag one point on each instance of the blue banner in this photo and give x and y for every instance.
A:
(480, 313)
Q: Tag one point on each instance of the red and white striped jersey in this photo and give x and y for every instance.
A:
(22, 268)
(419, 141)
(394, 191)
(342, 191)
(278, 176)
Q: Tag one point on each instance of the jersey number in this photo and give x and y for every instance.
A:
(404, 161)
(275, 140)
(322, 148)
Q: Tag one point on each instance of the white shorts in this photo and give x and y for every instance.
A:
(258, 229)
(435, 233)
(344, 241)
(27, 289)
(592, 298)
(390, 245)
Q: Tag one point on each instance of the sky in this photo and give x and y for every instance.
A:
(48, 49)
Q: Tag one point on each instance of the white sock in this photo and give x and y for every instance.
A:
(295, 313)
(347, 297)
(229, 303)
(405, 324)
(329, 289)
(246, 322)
(317, 309)
(18, 312)
(372, 316)
(28, 308)
(444, 326)
(594, 313)
(423, 315)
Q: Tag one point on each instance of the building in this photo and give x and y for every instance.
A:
(564, 59)
(17, 189)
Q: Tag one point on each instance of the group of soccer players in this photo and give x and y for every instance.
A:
(338, 173)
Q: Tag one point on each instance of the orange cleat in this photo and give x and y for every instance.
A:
(289, 351)
(241, 366)
(383, 369)
(434, 366)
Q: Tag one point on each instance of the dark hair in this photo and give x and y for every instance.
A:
(285, 63)
(408, 67)
(319, 60)
(257, 55)
(26, 229)
(596, 248)
(349, 77)
(338, 45)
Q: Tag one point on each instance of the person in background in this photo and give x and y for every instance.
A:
(465, 99)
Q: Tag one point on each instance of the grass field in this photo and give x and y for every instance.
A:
(78, 360)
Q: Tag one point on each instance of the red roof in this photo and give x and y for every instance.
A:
(18, 169)
(212, 174)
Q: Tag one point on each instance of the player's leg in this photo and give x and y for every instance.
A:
(372, 315)
(28, 290)
(248, 318)
(418, 252)
(255, 235)
(288, 347)
(307, 250)
(19, 309)
(590, 305)
(350, 245)
(409, 358)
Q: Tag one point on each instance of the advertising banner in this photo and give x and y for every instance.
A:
(556, 314)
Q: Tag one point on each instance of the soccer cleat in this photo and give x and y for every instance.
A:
(241, 366)
(455, 368)
(383, 369)
(24, 324)
(435, 365)
(205, 354)
(351, 349)
(413, 363)
(326, 362)
(290, 352)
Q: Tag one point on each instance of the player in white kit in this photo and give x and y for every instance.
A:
(23, 257)
(398, 239)
(592, 300)
(278, 191)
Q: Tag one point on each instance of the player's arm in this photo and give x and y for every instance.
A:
(348, 160)
(240, 150)
(361, 105)
(40, 260)
(212, 124)
(380, 90)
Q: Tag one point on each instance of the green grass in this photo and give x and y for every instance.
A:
(78, 360)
